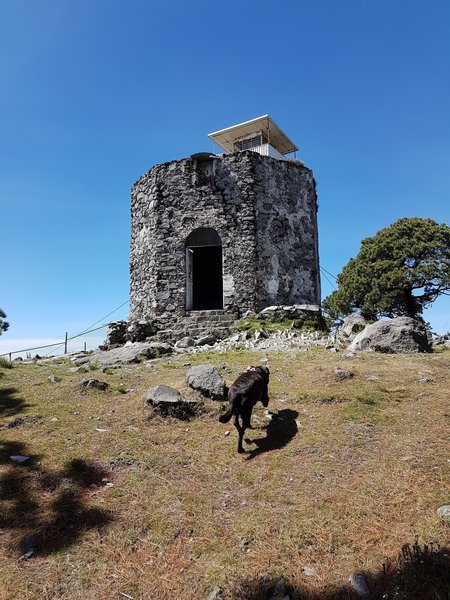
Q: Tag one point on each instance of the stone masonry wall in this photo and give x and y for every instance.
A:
(286, 233)
(265, 213)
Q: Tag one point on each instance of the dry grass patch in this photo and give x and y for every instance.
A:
(114, 500)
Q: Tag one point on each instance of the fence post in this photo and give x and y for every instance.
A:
(85, 346)
(65, 344)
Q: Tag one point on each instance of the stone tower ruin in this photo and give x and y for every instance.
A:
(216, 235)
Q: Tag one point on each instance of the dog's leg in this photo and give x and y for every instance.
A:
(240, 430)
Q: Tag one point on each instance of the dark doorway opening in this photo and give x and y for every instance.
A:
(207, 286)
(204, 279)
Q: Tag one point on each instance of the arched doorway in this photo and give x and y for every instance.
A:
(204, 281)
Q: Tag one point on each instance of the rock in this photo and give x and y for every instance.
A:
(351, 326)
(206, 339)
(130, 353)
(167, 401)
(53, 378)
(294, 311)
(94, 384)
(19, 458)
(425, 380)
(28, 547)
(162, 393)
(185, 342)
(342, 374)
(80, 360)
(215, 593)
(393, 336)
(205, 379)
(444, 512)
(279, 591)
(261, 334)
(358, 583)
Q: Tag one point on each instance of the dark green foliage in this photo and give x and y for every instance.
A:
(3, 324)
(398, 272)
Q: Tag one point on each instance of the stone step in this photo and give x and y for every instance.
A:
(205, 313)
(210, 319)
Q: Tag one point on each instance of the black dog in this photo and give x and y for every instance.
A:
(245, 392)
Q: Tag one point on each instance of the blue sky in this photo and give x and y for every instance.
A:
(93, 94)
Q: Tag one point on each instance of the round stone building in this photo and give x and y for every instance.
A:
(216, 235)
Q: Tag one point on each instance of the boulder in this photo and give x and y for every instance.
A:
(205, 379)
(393, 336)
(351, 326)
(167, 401)
(130, 353)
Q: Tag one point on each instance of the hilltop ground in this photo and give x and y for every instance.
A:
(116, 502)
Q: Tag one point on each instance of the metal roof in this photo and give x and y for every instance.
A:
(225, 138)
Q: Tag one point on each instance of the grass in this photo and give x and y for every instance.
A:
(276, 324)
(117, 500)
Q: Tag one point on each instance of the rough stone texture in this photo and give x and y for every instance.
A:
(342, 374)
(358, 583)
(205, 379)
(185, 342)
(216, 592)
(264, 211)
(444, 512)
(393, 336)
(94, 384)
(121, 332)
(116, 333)
(168, 401)
(130, 353)
(352, 325)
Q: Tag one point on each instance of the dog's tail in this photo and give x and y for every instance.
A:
(226, 415)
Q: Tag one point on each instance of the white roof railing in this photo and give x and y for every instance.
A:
(263, 126)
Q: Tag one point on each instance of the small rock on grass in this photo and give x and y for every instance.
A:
(94, 383)
(19, 458)
(215, 593)
(167, 401)
(444, 512)
(53, 379)
(342, 374)
(358, 583)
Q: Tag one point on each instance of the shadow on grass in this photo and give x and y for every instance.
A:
(419, 573)
(48, 524)
(10, 405)
(280, 431)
